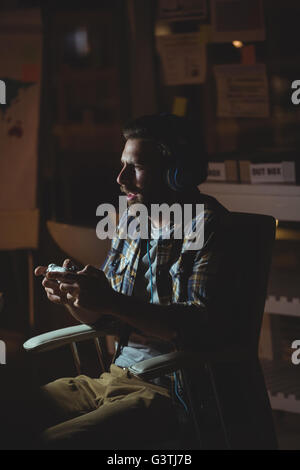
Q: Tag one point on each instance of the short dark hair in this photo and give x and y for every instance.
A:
(176, 136)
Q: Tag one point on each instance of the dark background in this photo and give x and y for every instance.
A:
(121, 78)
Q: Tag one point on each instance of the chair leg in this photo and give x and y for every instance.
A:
(218, 403)
(76, 357)
(99, 354)
(31, 291)
(192, 408)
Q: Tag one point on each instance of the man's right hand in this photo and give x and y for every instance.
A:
(52, 289)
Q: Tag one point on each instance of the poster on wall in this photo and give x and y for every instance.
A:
(20, 71)
(179, 10)
(242, 91)
(241, 20)
(183, 58)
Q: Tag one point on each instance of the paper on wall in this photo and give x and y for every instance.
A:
(179, 106)
(20, 69)
(283, 172)
(216, 171)
(242, 91)
(183, 58)
(241, 20)
(179, 10)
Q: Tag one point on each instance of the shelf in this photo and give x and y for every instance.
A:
(283, 306)
(283, 385)
(287, 234)
(280, 201)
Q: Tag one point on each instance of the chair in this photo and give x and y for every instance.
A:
(81, 243)
(222, 378)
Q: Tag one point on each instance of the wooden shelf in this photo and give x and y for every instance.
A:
(283, 306)
(287, 234)
(280, 201)
(283, 385)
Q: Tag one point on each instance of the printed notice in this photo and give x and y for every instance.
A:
(216, 171)
(183, 58)
(179, 10)
(283, 172)
(242, 91)
(20, 70)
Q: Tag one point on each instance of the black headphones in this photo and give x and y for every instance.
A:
(185, 171)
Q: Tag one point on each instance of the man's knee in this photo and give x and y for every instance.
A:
(69, 397)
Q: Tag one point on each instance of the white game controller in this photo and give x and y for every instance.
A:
(60, 269)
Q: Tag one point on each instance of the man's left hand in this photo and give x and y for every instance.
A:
(88, 289)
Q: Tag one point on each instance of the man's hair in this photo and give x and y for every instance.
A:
(177, 139)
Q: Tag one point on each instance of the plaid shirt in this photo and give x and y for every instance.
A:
(183, 276)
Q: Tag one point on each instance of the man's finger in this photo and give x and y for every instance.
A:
(68, 263)
(49, 290)
(47, 283)
(54, 288)
(89, 269)
(54, 298)
(40, 270)
(70, 297)
(72, 289)
(63, 276)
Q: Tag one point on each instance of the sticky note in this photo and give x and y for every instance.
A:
(179, 106)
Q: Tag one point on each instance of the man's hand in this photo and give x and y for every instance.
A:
(52, 289)
(87, 293)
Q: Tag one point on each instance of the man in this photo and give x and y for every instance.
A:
(155, 293)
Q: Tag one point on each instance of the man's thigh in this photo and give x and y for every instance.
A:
(115, 411)
(139, 417)
(70, 397)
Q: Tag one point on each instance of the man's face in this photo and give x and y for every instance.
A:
(141, 175)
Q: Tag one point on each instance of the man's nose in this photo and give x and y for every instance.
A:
(123, 176)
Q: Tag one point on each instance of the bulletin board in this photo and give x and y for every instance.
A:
(20, 70)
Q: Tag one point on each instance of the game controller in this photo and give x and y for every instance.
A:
(60, 269)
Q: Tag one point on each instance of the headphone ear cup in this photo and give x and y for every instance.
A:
(171, 178)
(179, 179)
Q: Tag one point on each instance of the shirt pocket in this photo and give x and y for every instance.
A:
(180, 273)
(116, 266)
(176, 272)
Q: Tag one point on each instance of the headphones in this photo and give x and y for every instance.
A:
(185, 171)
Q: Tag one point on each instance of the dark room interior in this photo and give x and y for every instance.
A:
(76, 78)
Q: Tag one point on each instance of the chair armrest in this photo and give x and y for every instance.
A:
(159, 365)
(55, 339)
(166, 363)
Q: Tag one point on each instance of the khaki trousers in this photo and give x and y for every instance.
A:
(115, 411)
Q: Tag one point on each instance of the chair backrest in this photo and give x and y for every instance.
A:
(80, 243)
(245, 247)
(236, 388)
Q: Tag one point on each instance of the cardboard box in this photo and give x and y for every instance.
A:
(226, 171)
